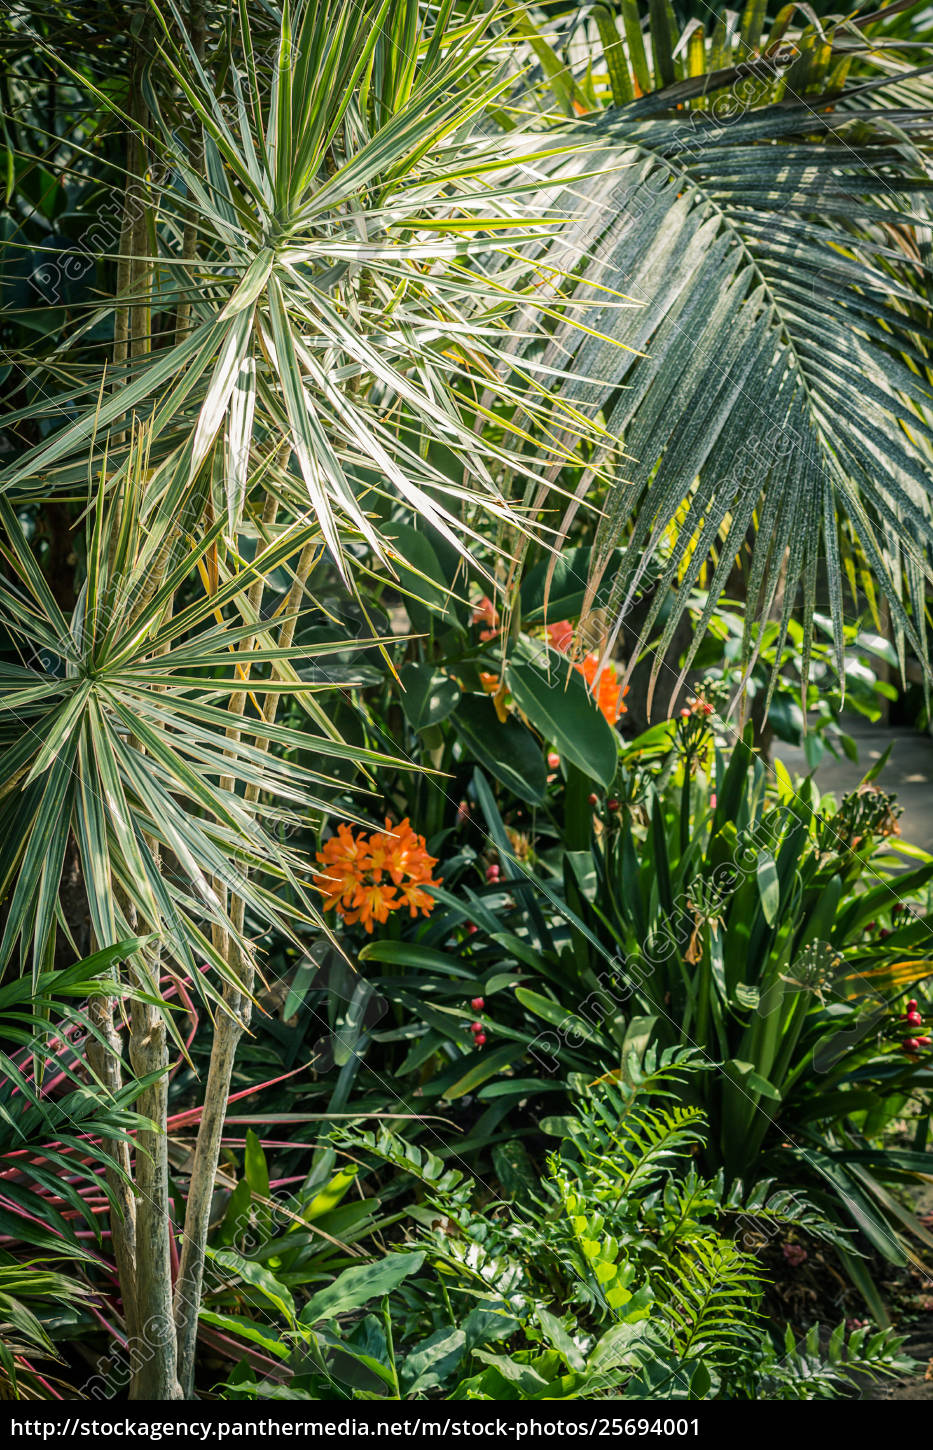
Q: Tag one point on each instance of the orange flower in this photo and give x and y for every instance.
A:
(343, 859)
(560, 635)
(493, 685)
(608, 695)
(372, 902)
(486, 613)
(416, 898)
(353, 867)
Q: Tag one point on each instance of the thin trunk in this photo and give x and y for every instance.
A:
(105, 1062)
(153, 1354)
(153, 1351)
(230, 1028)
(189, 243)
(154, 1374)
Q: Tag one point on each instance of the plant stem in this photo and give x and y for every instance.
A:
(154, 1363)
(105, 1063)
(190, 239)
(231, 1025)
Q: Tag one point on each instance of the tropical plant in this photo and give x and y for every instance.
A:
(809, 719)
(607, 1277)
(332, 221)
(340, 332)
(770, 182)
(759, 925)
(58, 1135)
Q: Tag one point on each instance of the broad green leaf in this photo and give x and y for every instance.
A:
(428, 695)
(505, 748)
(358, 1285)
(556, 701)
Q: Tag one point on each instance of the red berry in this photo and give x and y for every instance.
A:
(613, 804)
(685, 714)
(923, 1041)
(480, 1039)
(910, 1044)
(492, 872)
(471, 928)
(553, 760)
(476, 1026)
(593, 798)
(871, 926)
(912, 1005)
(884, 933)
(913, 1019)
(477, 1004)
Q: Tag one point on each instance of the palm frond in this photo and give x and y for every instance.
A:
(778, 378)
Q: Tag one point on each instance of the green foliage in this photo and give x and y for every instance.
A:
(774, 691)
(599, 1283)
(323, 322)
(709, 910)
(776, 336)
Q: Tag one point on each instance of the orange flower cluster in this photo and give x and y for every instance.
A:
(609, 696)
(366, 877)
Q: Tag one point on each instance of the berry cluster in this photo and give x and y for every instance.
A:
(479, 1034)
(698, 706)
(912, 1019)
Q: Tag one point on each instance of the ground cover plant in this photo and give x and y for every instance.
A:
(444, 445)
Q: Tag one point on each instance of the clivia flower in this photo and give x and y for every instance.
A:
(486, 613)
(364, 877)
(608, 694)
